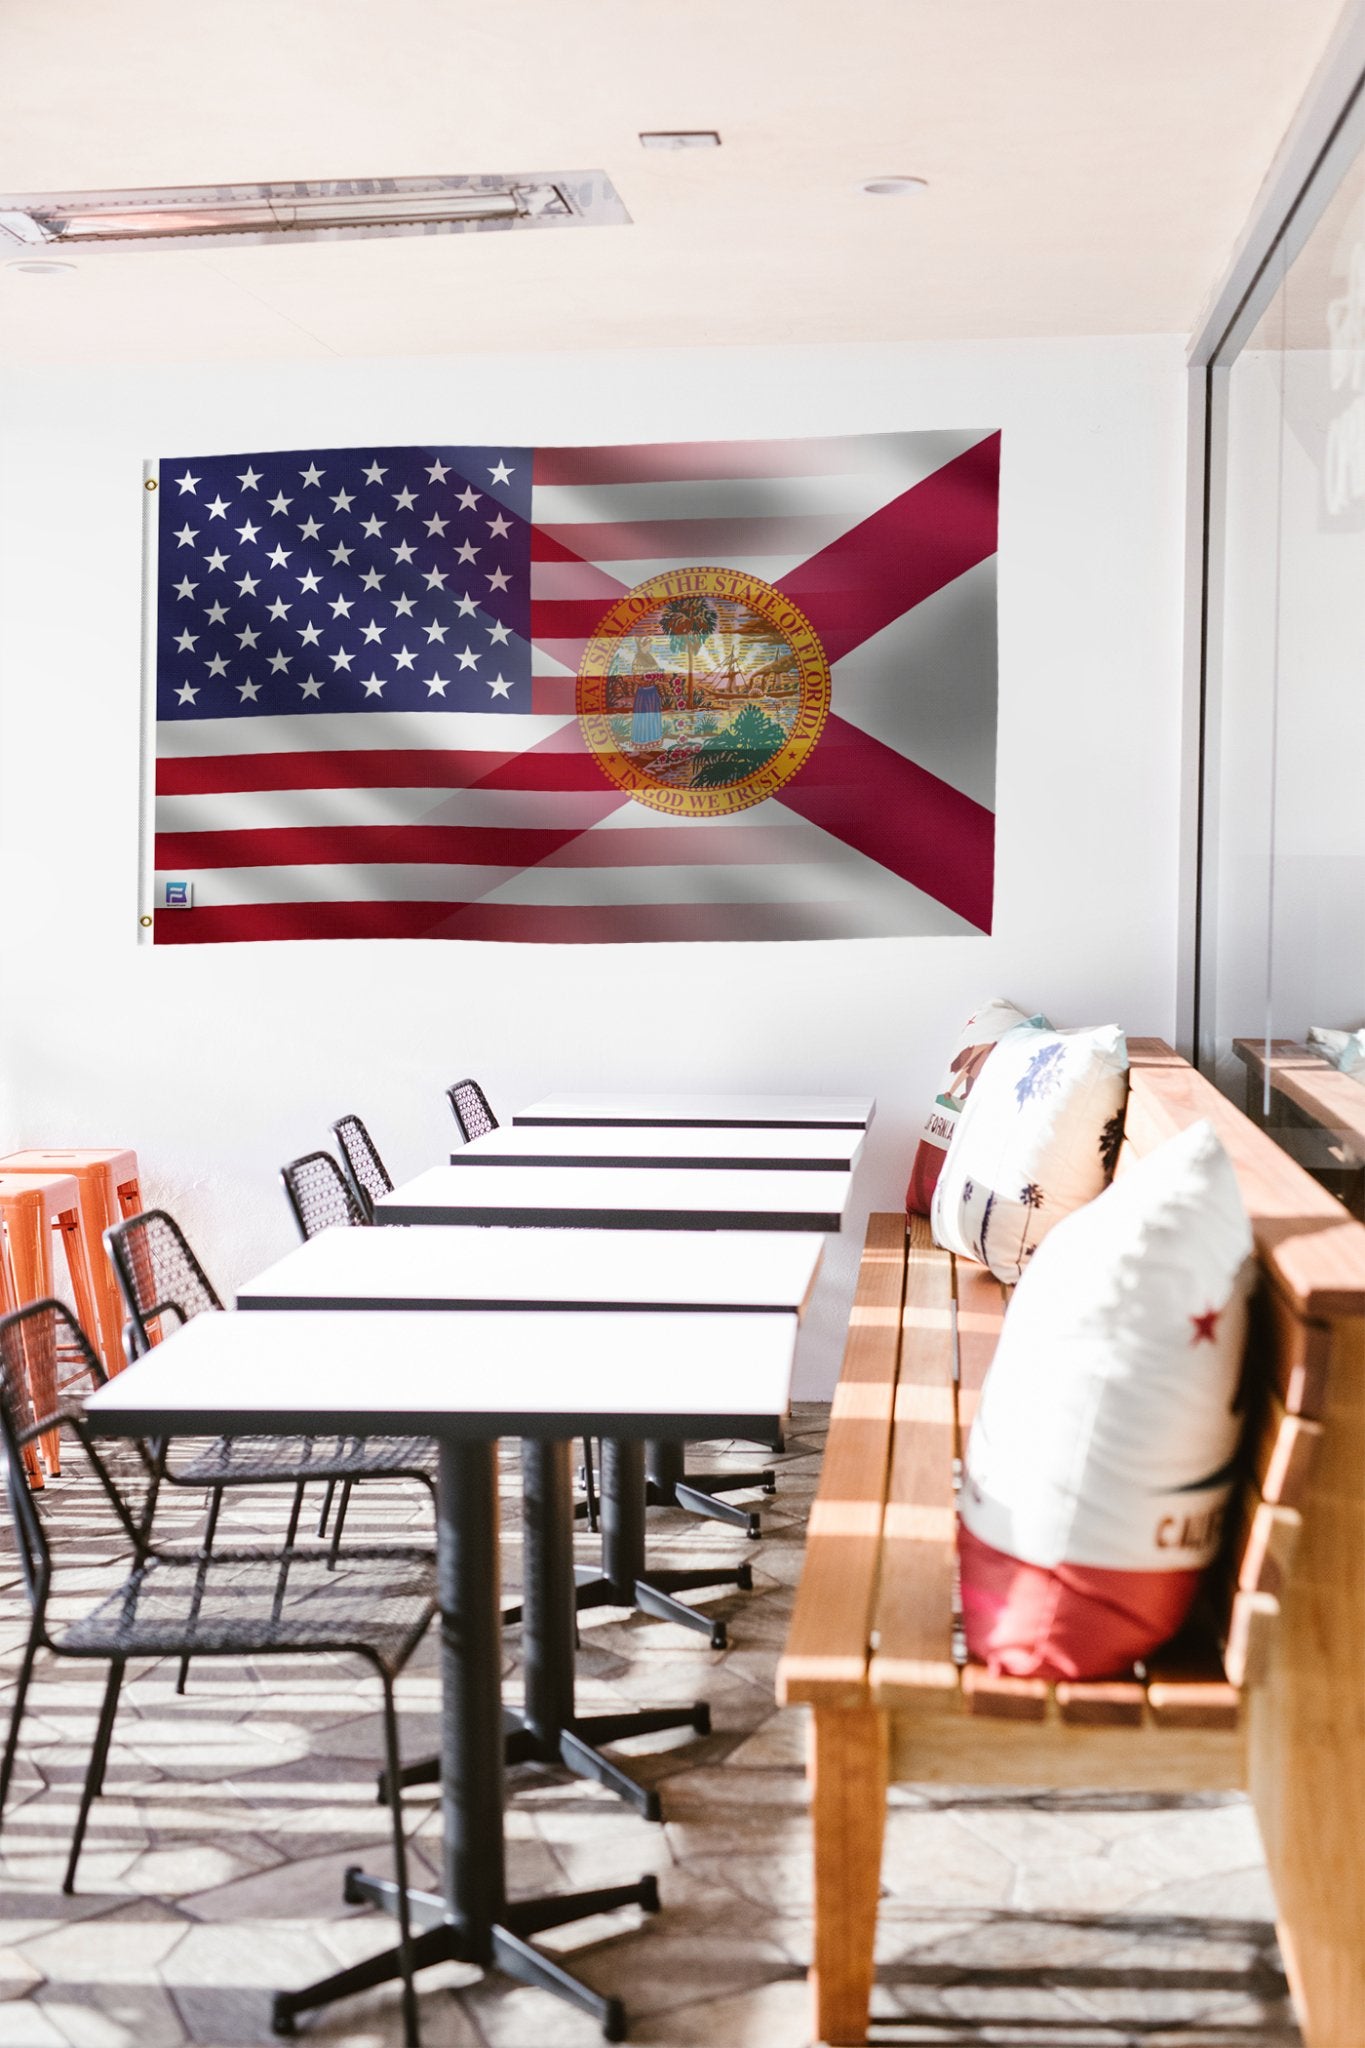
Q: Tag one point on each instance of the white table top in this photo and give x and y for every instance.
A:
(774, 1146)
(796, 1112)
(472, 1377)
(445, 1268)
(619, 1198)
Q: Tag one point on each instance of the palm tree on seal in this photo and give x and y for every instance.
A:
(689, 623)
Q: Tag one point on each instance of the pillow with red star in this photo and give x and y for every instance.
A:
(1103, 1455)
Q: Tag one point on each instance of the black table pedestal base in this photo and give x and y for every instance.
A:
(576, 1745)
(437, 1939)
(653, 1593)
(668, 1484)
(625, 1579)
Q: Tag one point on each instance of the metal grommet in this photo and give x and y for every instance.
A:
(144, 920)
(149, 484)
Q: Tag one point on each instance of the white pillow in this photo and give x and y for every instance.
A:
(1107, 1427)
(1345, 1049)
(1038, 1135)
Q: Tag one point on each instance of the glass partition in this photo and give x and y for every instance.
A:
(1283, 958)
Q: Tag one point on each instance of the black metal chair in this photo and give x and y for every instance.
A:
(322, 1199)
(469, 1106)
(320, 1194)
(228, 1603)
(369, 1176)
(161, 1279)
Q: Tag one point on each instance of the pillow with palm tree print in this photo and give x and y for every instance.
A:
(1038, 1136)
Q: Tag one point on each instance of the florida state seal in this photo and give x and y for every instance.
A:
(702, 691)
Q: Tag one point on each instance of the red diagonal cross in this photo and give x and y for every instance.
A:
(865, 793)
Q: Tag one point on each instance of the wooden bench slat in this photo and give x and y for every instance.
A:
(1102, 1703)
(1282, 1451)
(1290, 1350)
(827, 1647)
(1263, 1538)
(1251, 1632)
(997, 1698)
(981, 1304)
(914, 1613)
(1187, 1686)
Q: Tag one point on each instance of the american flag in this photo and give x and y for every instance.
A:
(366, 675)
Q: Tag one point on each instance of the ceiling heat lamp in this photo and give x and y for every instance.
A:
(342, 209)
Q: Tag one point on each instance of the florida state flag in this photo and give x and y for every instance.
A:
(709, 690)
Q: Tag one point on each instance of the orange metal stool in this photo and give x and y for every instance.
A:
(107, 1180)
(32, 1206)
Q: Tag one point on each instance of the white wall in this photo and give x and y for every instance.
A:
(218, 1063)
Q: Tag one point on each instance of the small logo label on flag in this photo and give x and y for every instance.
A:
(177, 896)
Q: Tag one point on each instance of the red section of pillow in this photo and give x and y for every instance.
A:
(1067, 1620)
(932, 1149)
(923, 1175)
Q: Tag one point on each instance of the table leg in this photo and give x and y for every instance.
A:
(625, 1580)
(551, 1728)
(472, 1920)
(669, 1484)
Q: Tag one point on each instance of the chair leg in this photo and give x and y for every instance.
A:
(206, 1545)
(16, 1715)
(287, 1553)
(292, 1527)
(340, 1523)
(411, 2037)
(589, 1484)
(94, 1777)
(324, 1517)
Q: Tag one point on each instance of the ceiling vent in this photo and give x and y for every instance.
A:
(340, 209)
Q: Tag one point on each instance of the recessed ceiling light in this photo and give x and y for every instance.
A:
(334, 209)
(894, 188)
(679, 138)
(39, 269)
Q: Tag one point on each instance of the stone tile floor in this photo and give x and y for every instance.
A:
(212, 1870)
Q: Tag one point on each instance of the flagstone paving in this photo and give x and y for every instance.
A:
(213, 1866)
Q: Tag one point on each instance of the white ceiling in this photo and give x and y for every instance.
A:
(1090, 164)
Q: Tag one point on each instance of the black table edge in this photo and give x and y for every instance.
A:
(798, 1222)
(518, 1304)
(488, 1425)
(688, 1123)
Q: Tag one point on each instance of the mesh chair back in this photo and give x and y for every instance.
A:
(48, 1329)
(158, 1274)
(368, 1171)
(471, 1111)
(318, 1194)
(19, 1334)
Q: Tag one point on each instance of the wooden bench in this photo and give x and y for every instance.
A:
(1266, 1691)
(1315, 1111)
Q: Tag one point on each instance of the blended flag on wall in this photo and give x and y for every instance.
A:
(709, 690)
